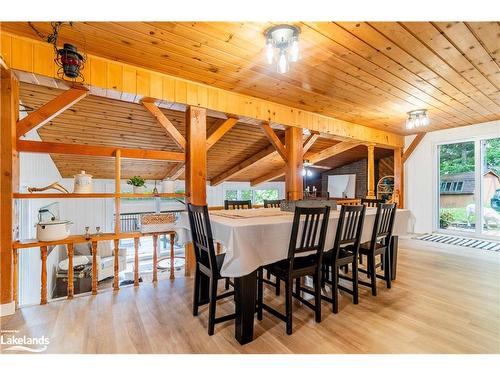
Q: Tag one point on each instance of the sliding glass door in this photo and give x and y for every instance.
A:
(469, 187)
(490, 186)
(457, 186)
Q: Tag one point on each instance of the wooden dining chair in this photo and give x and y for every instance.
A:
(379, 245)
(308, 236)
(237, 205)
(272, 203)
(208, 265)
(344, 253)
(368, 202)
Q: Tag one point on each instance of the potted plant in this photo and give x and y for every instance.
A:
(137, 183)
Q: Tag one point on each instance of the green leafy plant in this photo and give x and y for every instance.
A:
(136, 181)
(445, 219)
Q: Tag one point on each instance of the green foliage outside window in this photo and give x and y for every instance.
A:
(256, 196)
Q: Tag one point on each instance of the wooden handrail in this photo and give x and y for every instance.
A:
(72, 240)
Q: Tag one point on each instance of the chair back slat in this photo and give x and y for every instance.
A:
(384, 223)
(201, 232)
(272, 203)
(371, 202)
(237, 205)
(308, 232)
(350, 226)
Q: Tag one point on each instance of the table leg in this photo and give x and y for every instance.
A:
(172, 256)
(245, 289)
(394, 256)
(155, 258)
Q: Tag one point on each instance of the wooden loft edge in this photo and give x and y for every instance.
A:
(75, 149)
(37, 58)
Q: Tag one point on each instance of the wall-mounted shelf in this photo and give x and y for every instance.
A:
(94, 195)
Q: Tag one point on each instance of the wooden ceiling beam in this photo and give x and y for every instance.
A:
(176, 172)
(331, 151)
(413, 145)
(310, 141)
(220, 131)
(313, 158)
(75, 149)
(244, 165)
(268, 177)
(275, 141)
(165, 122)
(50, 110)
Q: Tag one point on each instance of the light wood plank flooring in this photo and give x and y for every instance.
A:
(445, 300)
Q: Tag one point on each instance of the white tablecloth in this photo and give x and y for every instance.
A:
(261, 236)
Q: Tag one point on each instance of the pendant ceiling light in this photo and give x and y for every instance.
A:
(417, 118)
(282, 46)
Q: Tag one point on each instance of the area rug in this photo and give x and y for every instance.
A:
(461, 241)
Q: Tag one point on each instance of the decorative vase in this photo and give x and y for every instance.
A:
(139, 189)
(83, 183)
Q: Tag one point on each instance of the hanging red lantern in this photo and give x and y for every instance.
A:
(69, 61)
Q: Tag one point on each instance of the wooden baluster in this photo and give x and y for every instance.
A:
(219, 248)
(116, 283)
(172, 258)
(43, 291)
(16, 276)
(94, 267)
(136, 261)
(155, 258)
(70, 271)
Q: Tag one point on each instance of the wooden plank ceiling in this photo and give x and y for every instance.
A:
(368, 73)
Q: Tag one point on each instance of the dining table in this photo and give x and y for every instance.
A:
(257, 237)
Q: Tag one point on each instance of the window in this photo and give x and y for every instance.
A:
(469, 187)
(256, 196)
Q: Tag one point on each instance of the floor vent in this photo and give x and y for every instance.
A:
(461, 241)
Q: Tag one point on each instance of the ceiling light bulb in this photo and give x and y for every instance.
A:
(269, 52)
(306, 132)
(294, 51)
(282, 63)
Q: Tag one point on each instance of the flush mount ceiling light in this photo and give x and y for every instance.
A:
(282, 46)
(417, 119)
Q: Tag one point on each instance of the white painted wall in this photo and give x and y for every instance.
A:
(421, 170)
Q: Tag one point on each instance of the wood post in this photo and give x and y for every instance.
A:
(94, 267)
(43, 289)
(70, 271)
(196, 167)
(136, 261)
(117, 189)
(294, 184)
(172, 256)
(371, 172)
(398, 195)
(9, 180)
(15, 254)
(116, 281)
(155, 258)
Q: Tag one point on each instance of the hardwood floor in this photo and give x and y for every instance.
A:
(445, 300)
